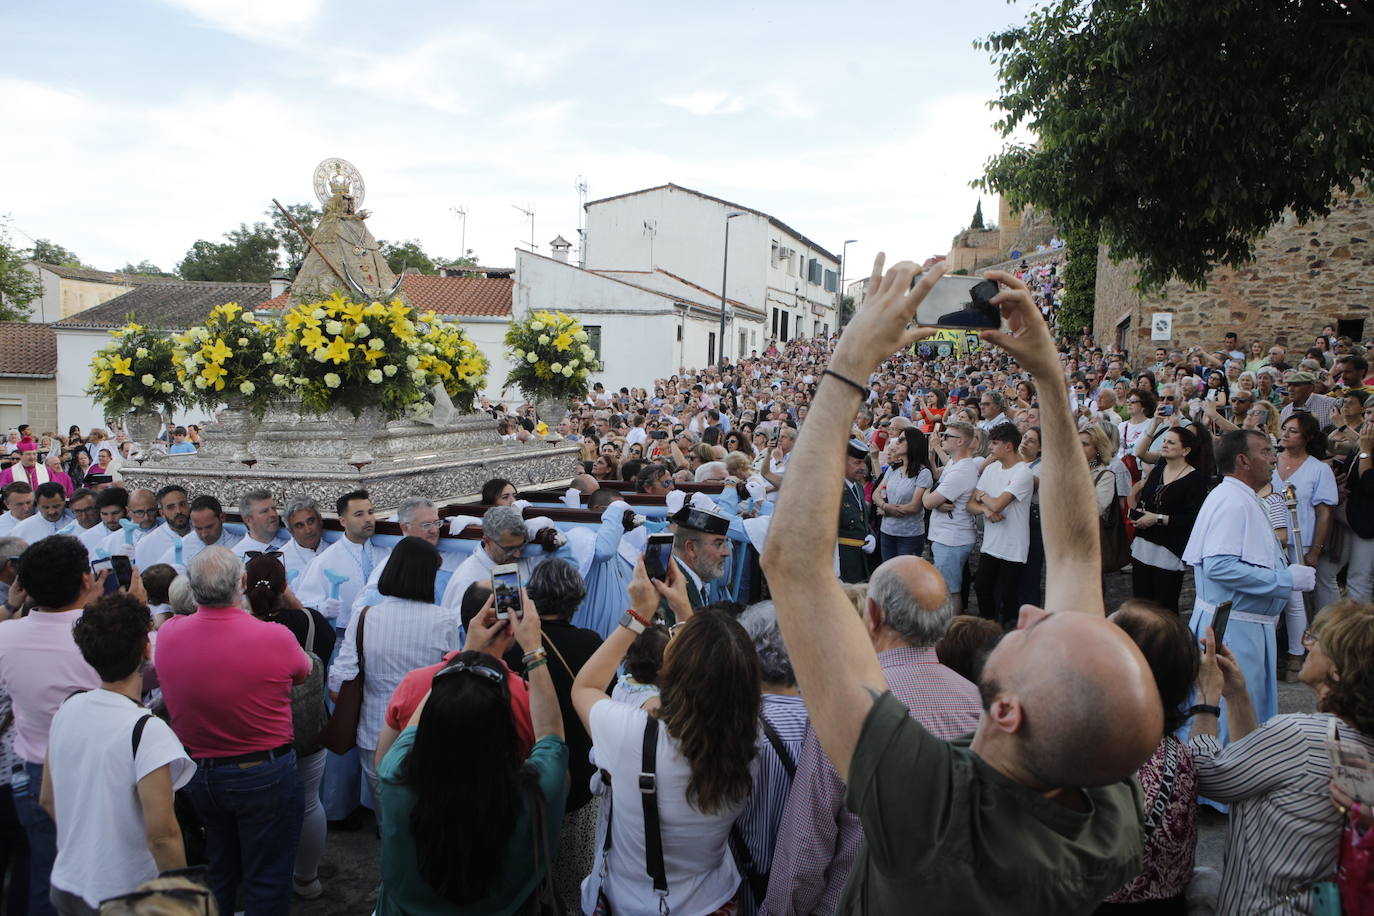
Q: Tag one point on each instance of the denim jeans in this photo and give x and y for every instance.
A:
(252, 815)
(42, 834)
(896, 545)
(950, 561)
(14, 854)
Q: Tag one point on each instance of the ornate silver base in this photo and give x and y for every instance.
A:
(323, 457)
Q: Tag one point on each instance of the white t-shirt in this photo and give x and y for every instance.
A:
(696, 855)
(1008, 539)
(955, 529)
(1130, 434)
(101, 847)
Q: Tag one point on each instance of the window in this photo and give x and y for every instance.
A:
(785, 317)
(594, 341)
(1350, 327)
(775, 324)
(814, 272)
(711, 348)
(13, 411)
(743, 344)
(832, 281)
(679, 333)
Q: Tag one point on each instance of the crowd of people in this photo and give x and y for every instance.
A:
(718, 698)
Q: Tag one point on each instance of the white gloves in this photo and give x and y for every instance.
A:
(674, 500)
(870, 544)
(1304, 578)
(330, 608)
(572, 498)
(757, 489)
(457, 523)
(703, 502)
(521, 504)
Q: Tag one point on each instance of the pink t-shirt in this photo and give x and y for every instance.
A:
(226, 677)
(40, 666)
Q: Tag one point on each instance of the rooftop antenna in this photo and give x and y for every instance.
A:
(461, 212)
(582, 190)
(528, 210)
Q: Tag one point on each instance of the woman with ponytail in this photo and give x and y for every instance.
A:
(269, 598)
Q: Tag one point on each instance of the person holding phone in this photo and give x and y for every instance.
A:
(1164, 508)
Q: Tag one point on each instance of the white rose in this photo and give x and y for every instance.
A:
(519, 353)
(556, 367)
(419, 376)
(332, 380)
(543, 340)
(531, 357)
(334, 327)
(201, 382)
(280, 380)
(361, 330)
(321, 356)
(243, 341)
(141, 353)
(427, 347)
(412, 362)
(247, 388)
(573, 362)
(582, 373)
(376, 343)
(166, 387)
(190, 363)
(317, 314)
(269, 357)
(374, 376)
(580, 337)
(136, 401)
(536, 325)
(567, 372)
(388, 370)
(148, 380)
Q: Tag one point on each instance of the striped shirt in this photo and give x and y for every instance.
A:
(1283, 832)
(819, 836)
(758, 823)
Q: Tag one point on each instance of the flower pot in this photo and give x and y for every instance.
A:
(550, 410)
(144, 425)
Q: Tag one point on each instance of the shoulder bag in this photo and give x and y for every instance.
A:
(756, 881)
(1116, 548)
(653, 838)
(340, 733)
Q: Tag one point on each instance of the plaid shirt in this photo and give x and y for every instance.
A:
(819, 836)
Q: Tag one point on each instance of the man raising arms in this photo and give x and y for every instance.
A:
(1039, 813)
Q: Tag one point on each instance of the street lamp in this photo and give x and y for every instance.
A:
(724, 273)
(839, 302)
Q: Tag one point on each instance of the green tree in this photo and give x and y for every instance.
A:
(1080, 282)
(1182, 130)
(19, 286)
(145, 268)
(846, 309)
(977, 221)
(249, 255)
(52, 253)
(408, 255)
(296, 248)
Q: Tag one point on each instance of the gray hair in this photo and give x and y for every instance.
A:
(11, 547)
(707, 471)
(557, 588)
(760, 621)
(300, 504)
(500, 520)
(249, 499)
(920, 625)
(216, 576)
(405, 512)
(179, 596)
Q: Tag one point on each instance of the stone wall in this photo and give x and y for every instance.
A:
(1302, 277)
(36, 403)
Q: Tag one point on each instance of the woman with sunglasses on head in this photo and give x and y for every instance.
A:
(470, 824)
(1168, 412)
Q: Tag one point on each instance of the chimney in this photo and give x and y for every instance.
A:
(280, 282)
(559, 247)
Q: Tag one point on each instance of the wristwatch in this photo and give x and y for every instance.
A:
(630, 621)
(1207, 708)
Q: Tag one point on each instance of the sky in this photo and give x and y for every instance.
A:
(136, 128)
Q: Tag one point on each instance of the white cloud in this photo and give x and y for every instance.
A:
(706, 102)
(265, 21)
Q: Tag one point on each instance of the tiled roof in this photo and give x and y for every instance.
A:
(773, 220)
(174, 304)
(463, 297)
(27, 349)
(102, 276)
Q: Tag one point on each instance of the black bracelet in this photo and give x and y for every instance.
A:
(848, 381)
(1207, 708)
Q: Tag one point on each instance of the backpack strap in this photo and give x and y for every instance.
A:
(138, 731)
(779, 747)
(648, 793)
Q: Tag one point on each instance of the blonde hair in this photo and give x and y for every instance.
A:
(857, 593)
(1099, 440)
(738, 464)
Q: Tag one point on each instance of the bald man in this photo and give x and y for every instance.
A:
(907, 610)
(1039, 812)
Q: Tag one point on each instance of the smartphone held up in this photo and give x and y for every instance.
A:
(505, 590)
(960, 302)
(658, 555)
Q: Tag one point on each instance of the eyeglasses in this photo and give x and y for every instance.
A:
(1167, 397)
(254, 554)
(482, 671)
(1309, 639)
(432, 525)
(952, 436)
(142, 513)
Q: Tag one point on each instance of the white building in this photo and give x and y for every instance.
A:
(643, 324)
(670, 235)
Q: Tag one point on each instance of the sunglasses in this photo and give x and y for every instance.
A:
(480, 670)
(254, 554)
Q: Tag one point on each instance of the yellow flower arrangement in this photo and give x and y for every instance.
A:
(225, 358)
(549, 356)
(132, 372)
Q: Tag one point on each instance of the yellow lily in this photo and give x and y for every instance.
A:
(338, 350)
(120, 365)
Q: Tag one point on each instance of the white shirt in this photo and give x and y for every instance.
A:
(955, 528)
(191, 545)
(696, 856)
(35, 528)
(247, 543)
(7, 524)
(92, 536)
(1130, 434)
(994, 421)
(1008, 539)
(399, 637)
(101, 847)
(123, 542)
(345, 558)
(151, 548)
(296, 558)
(636, 436)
